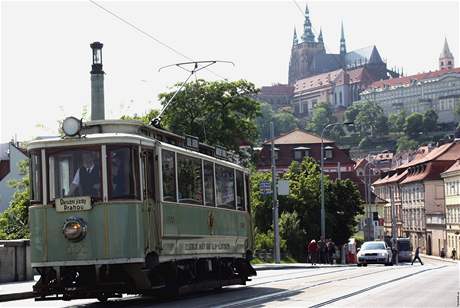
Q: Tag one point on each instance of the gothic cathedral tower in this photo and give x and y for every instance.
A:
(301, 64)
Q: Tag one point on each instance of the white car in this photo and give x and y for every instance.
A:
(376, 252)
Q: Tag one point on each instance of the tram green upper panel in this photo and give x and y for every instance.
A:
(197, 221)
(115, 231)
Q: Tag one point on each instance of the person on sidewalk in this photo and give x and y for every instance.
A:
(330, 252)
(322, 251)
(313, 251)
(417, 256)
(454, 254)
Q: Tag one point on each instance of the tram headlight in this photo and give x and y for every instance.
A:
(74, 229)
(71, 126)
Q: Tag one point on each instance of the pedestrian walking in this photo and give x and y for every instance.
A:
(454, 254)
(417, 256)
(322, 251)
(313, 251)
(330, 252)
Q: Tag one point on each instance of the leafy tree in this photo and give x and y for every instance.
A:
(266, 241)
(396, 122)
(404, 143)
(146, 118)
(430, 119)
(14, 220)
(284, 121)
(322, 116)
(345, 203)
(263, 120)
(292, 232)
(217, 112)
(300, 218)
(261, 206)
(414, 125)
(368, 118)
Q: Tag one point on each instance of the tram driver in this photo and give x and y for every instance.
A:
(86, 181)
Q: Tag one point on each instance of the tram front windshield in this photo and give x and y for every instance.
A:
(74, 173)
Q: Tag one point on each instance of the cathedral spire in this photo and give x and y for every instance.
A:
(446, 59)
(343, 48)
(320, 36)
(308, 35)
(295, 41)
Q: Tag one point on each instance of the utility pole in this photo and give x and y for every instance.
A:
(275, 197)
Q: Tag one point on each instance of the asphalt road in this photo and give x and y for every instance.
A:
(436, 284)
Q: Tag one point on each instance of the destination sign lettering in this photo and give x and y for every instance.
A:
(73, 204)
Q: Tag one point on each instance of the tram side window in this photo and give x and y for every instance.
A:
(74, 173)
(248, 192)
(190, 181)
(36, 177)
(209, 197)
(123, 169)
(169, 175)
(225, 187)
(239, 191)
(149, 175)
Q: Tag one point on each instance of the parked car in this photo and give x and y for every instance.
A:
(375, 252)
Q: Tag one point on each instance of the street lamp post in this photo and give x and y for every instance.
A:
(323, 213)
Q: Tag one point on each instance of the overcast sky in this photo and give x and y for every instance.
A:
(46, 58)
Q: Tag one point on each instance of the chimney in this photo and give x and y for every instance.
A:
(97, 83)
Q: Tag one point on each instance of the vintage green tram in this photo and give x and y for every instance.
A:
(122, 207)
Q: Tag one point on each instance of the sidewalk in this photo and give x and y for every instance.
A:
(439, 258)
(16, 290)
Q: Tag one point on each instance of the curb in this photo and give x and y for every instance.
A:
(15, 296)
(439, 259)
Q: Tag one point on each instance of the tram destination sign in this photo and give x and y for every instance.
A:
(73, 204)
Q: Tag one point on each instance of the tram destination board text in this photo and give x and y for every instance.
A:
(73, 204)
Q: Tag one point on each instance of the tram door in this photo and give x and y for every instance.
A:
(148, 179)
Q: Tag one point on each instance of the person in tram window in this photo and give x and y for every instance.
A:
(118, 182)
(86, 181)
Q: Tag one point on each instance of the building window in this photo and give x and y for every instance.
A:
(328, 152)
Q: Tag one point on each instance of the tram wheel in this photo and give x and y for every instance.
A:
(102, 298)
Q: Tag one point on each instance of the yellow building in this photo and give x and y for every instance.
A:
(452, 194)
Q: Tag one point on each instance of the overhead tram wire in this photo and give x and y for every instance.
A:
(151, 37)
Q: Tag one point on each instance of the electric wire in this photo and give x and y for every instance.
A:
(151, 36)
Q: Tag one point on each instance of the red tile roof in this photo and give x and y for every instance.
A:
(407, 79)
(298, 136)
(337, 77)
(430, 172)
(453, 168)
(360, 162)
(317, 81)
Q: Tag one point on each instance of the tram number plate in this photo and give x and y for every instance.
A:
(73, 204)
